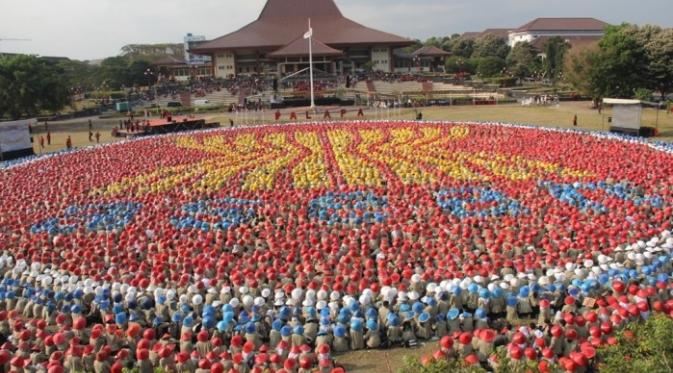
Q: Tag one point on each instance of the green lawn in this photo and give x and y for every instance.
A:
(561, 116)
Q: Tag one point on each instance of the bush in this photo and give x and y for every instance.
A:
(642, 347)
(505, 365)
(456, 65)
(490, 66)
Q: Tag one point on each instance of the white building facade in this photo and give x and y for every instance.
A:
(557, 27)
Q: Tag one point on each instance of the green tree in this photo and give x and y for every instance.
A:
(463, 47)
(621, 66)
(490, 45)
(29, 86)
(488, 67)
(555, 51)
(522, 60)
(121, 71)
(80, 75)
(582, 74)
(456, 65)
(114, 71)
(660, 53)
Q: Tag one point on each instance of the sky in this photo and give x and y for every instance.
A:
(94, 29)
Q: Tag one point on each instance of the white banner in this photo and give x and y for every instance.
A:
(15, 135)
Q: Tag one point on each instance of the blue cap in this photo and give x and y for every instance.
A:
(473, 288)
(284, 313)
(286, 331)
(371, 313)
(120, 318)
(356, 324)
(339, 331)
(453, 314)
(277, 324)
(208, 310)
(484, 293)
(393, 319)
(250, 328)
(188, 322)
(227, 308)
(512, 301)
(299, 330)
(228, 316)
(424, 317)
(372, 325)
(524, 292)
(480, 313)
(418, 308)
(222, 325)
(497, 292)
(324, 312)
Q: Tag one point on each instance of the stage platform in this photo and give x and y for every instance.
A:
(163, 126)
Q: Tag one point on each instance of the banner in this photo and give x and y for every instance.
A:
(15, 135)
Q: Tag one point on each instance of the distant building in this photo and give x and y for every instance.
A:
(192, 41)
(153, 51)
(584, 29)
(424, 59)
(273, 44)
(177, 70)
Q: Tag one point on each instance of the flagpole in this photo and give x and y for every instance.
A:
(310, 61)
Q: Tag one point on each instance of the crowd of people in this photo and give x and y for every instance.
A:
(109, 264)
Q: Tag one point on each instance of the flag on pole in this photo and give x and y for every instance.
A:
(308, 33)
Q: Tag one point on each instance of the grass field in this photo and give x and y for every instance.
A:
(561, 116)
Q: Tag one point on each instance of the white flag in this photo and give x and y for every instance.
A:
(308, 33)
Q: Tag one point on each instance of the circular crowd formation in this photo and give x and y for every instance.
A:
(274, 248)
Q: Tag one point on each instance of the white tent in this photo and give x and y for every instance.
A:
(626, 115)
(15, 139)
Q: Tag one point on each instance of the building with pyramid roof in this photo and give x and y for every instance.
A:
(273, 43)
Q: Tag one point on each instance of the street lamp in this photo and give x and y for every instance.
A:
(150, 74)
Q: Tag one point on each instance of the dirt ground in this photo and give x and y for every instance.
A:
(552, 116)
(382, 361)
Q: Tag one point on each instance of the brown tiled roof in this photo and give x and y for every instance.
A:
(563, 24)
(471, 34)
(299, 48)
(282, 20)
(169, 60)
(430, 51)
(499, 32)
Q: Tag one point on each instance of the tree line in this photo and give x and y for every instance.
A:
(629, 61)
(30, 85)
(490, 56)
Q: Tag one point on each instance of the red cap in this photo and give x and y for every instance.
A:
(446, 342)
